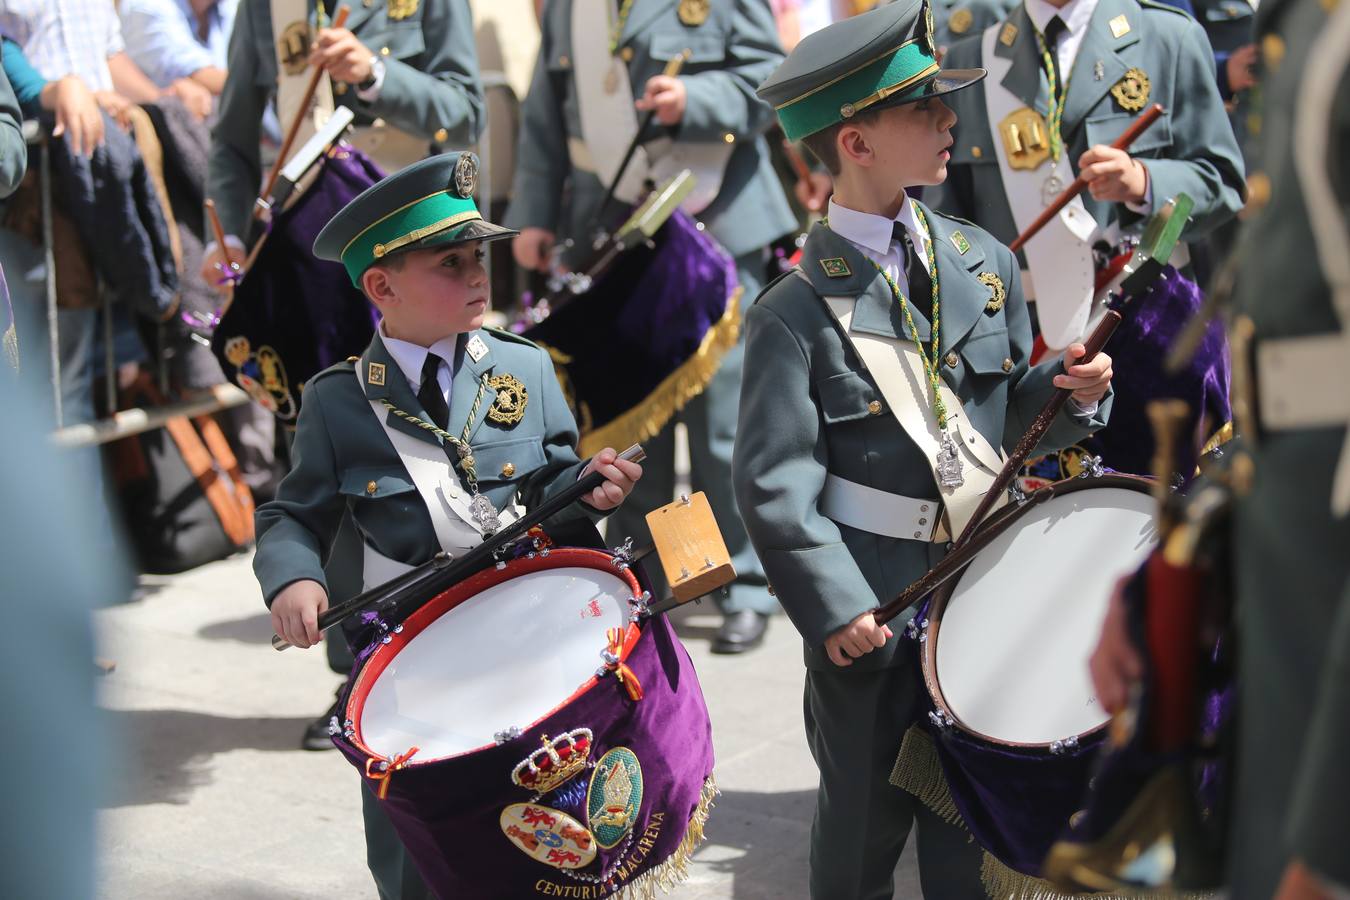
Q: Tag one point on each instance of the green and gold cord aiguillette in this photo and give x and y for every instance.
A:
(1058, 99)
(948, 463)
(484, 514)
(616, 32)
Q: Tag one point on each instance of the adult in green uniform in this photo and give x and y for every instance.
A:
(413, 243)
(1290, 533)
(408, 68)
(711, 106)
(835, 464)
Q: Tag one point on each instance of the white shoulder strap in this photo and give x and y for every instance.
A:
(895, 366)
(1060, 255)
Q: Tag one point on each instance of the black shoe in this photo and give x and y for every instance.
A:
(740, 631)
(316, 736)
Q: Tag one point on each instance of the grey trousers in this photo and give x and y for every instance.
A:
(855, 722)
(711, 422)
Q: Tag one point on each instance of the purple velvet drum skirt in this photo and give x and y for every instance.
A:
(604, 794)
(294, 314)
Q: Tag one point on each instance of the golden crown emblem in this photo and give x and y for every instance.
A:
(554, 762)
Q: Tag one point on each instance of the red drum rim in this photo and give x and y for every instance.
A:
(429, 612)
(998, 523)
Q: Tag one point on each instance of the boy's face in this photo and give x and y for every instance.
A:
(435, 292)
(911, 141)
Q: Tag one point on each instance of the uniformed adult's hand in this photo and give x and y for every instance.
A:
(195, 97)
(1089, 381)
(1115, 663)
(342, 54)
(620, 476)
(215, 261)
(77, 113)
(1241, 68)
(296, 611)
(1113, 175)
(532, 248)
(859, 637)
(667, 96)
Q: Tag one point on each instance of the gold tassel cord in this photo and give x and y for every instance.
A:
(674, 870)
(646, 420)
(1003, 883)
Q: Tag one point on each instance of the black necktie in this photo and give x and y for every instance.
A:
(920, 282)
(1054, 30)
(429, 393)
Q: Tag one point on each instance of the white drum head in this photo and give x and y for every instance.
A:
(1015, 637)
(505, 657)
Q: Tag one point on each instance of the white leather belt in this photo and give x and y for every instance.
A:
(1301, 382)
(879, 512)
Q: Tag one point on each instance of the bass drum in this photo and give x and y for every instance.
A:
(294, 314)
(528, 732)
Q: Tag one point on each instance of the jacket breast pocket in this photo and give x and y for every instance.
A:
(988, 353)
(509, 460)
(706, 46)
(399, 40)
(847, 397)
(1106, 128)
(379, 496)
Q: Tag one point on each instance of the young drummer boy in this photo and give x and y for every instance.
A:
(439, 428)
(881, 380)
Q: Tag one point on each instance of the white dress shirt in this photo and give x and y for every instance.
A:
(411, 357)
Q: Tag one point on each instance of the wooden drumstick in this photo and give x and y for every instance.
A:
(418, 585)
(1138, 127)
(218, 231)
(264, 201)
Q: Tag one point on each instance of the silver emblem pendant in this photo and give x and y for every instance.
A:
(949, 464)
(484, 514)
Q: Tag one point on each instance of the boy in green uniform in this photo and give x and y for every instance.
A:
(882, 379)
(440, 432)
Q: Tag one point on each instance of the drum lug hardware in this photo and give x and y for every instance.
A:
(1067, 745)
(1178, 482)
(623, 554)
(684, 498)
(501, 564)
(941, 719)
(510, 733)
(1016, 495)
(917, 629)
(1092, 468)
(544, 553)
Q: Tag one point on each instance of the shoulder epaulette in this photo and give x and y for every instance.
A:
(511, 336)
(764, 291)
(1157, 4)
(346, 365)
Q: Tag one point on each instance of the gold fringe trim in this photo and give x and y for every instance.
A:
(674, 870)
(11, 346)
(918, 771)
(646, 420)
(1003, 883)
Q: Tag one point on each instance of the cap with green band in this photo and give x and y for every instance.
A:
(428, 204)
(881, 58)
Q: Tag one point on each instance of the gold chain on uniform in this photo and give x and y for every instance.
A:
(616, 30)
(930, 367)
(1054, 121)
(461, 443)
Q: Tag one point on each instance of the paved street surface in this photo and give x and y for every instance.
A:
(216, 801)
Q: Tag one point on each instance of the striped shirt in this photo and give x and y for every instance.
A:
(65, 37)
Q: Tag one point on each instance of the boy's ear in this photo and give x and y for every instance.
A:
(852, 145)
(375, 282)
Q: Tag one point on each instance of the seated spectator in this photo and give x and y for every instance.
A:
(181, 45)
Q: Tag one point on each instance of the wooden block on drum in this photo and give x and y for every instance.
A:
(689, 543)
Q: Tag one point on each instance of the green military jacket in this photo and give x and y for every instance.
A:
(808, 409)
(431, 88)
(733, 50)
(341, 451)
(1190, 149)
(1291, 566)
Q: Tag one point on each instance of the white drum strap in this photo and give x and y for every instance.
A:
(609, 121)
(1060, 255)
(287, 15)
(895, 365)
(436, 481)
